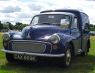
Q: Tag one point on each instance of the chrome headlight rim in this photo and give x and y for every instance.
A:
(6, 36)
(55, 38)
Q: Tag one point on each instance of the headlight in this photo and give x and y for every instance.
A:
(54, 38)
(6, 37)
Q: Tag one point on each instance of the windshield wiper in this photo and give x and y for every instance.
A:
(46, 23)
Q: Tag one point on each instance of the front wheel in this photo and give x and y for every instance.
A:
(68, 57)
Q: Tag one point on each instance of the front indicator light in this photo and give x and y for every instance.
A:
(55, 46)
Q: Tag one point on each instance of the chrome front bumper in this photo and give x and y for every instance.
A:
(34, 54)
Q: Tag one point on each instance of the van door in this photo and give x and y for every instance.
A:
(75, 32)
(85, 36)
(85, 31)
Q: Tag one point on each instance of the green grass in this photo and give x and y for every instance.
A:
(80, 64)
(1, 54)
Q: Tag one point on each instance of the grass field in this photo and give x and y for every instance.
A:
(80, 65)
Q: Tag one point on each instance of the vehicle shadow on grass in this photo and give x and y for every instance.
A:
(80, 65)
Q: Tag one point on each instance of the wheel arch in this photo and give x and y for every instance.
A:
(73, 49)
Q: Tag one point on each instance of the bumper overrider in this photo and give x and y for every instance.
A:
(20, 44)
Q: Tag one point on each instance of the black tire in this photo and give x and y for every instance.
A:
(67, 60)
(84, 53)
(10, 58)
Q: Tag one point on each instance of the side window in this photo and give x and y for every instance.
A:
(74, 25)
(35, 20)
(85, 21)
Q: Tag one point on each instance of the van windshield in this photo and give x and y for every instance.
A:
(50, 19)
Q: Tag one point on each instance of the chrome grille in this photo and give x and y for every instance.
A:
(28, 46)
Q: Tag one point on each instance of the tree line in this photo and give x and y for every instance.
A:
(92, 27)
(10, 26)
(20, 26)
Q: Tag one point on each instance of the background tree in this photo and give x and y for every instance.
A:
(19, 26)
(10, 25)
(92, 27)
(1, 26)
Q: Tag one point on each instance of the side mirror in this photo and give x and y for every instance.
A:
(86, 28)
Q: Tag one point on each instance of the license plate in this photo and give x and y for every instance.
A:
(24, 57)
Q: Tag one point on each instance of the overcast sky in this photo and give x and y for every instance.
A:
(24, 10)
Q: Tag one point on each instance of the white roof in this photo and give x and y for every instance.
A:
(66, 13)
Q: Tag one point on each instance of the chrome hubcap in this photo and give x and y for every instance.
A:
(68, 57)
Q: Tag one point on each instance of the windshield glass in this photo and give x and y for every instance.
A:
(51, 19)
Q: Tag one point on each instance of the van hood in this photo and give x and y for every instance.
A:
(38, 32)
